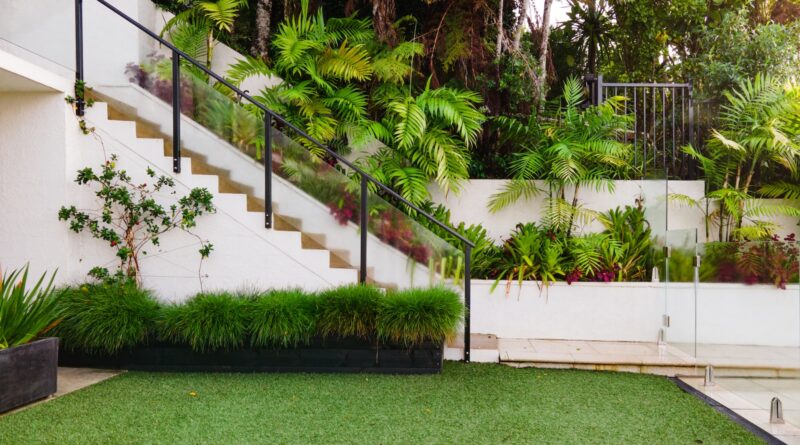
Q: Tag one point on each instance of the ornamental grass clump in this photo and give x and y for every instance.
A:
(106, 317)
(207, 322)
(348, 311)
(283, 318)
(412, 316)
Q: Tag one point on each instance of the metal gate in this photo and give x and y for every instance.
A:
(664, 116)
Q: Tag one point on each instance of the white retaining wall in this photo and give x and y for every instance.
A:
(471, 206)
(726, 313)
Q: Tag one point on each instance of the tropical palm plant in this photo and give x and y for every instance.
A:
(759, 131)
(348, 91)
(574, 149)
(194, 30)
(590, 28)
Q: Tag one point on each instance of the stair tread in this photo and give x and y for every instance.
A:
(226, 186)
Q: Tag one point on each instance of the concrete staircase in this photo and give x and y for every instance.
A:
(230, 197)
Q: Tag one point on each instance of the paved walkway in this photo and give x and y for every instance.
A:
(728, 360)
(751, 397)
(73, 379)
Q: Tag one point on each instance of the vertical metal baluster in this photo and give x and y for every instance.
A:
(79, 102)
(467, 300)
(644, 130)
(176, 112)
(674, 153)
(691, 116)
(267, 170)
(599, 89)
(362, 274)
(636, 126)
(664, 125)
(683, 125)
(654, 128)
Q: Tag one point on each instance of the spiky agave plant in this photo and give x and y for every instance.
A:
(25, 312)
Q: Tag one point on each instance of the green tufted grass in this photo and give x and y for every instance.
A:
(466, 404)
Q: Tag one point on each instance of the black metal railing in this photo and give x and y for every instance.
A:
(271, 118)
(663, 121)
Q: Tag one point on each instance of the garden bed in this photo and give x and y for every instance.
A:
(344, 329)
(331, 355)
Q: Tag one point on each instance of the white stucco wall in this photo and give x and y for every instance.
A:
(33, 181)
(471, 205)
(725, 314)
(46, 29)
(41, 148)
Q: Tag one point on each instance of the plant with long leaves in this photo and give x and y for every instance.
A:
(572, 150)
(531, 253)
(759, 131)
(194, 30)
(351, 92)
(25, 313)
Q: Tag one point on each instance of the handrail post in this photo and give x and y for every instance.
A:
(363, 217)
(79, 100)
(267, 170)
(176, 112)
(599, 89)
(467, 300)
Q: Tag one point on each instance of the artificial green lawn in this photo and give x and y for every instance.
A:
(466, 404)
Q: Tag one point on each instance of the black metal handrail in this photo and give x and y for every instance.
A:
(269, 115)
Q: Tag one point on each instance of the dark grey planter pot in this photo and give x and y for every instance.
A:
(28, 373)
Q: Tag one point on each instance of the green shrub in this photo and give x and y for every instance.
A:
(25, 313)
(348, 311)
(207, 322)
(105, 317)
(282, 318)
(412, 316)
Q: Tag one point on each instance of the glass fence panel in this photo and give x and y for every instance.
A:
(680, 288)
(748, 320)
(402, 251)
(748, 300)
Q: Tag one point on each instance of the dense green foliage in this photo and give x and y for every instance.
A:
(129, 218)
(576, 149)
(285, 318)
(206, 322)
(25, 312)
(516, 406)
(758, 136)
(416, 315)
(622, 252)
(349, 311)
(106, 317)
(351, 84)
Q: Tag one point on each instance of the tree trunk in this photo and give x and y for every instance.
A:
(291, 8)
(499, 50)
(384, 14)
(543, 48)
(523, 16)
(261, 31)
